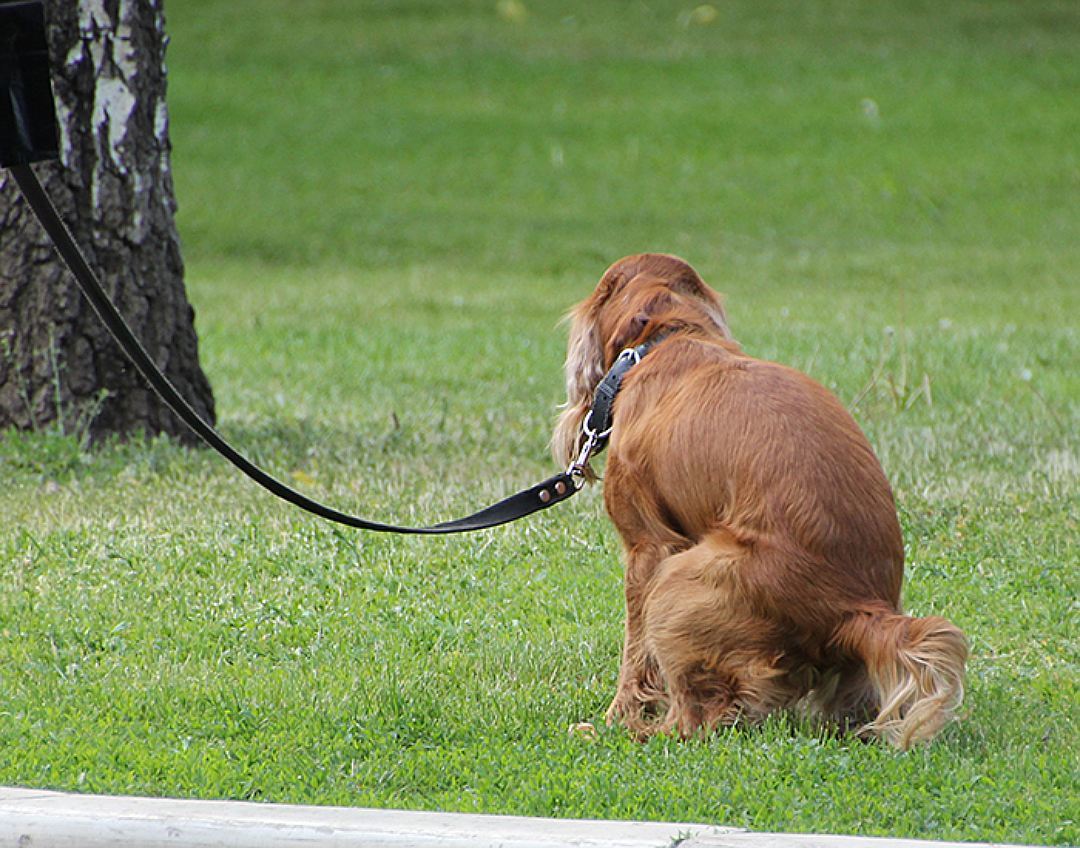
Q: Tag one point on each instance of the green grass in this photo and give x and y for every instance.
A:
(385, 209)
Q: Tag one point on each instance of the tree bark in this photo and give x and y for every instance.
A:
(58, 365)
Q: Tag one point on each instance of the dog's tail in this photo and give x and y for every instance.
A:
(915, 668)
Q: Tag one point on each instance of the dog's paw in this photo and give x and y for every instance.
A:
(619, 710)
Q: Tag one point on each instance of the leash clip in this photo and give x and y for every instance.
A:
(576, 469)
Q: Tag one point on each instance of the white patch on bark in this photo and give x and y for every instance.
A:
(75, 57)
(161, 135)
(114, 101)
(113, 104)
(161, 123)
(93, 16)
(115, 63)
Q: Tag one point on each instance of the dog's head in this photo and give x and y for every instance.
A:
(636, 298)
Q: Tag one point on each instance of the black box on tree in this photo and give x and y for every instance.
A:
(27, 113)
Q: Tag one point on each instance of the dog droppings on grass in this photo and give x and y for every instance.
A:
(583, 730)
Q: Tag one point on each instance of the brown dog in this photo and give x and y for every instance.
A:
(763, 552)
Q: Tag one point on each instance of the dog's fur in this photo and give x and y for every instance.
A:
(762, 549)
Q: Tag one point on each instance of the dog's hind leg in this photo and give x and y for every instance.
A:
(717, 661)
(639, 694)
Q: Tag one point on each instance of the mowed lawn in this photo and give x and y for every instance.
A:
(385, 209)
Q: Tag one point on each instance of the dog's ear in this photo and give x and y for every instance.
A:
(690, 284)
(634, 328)
(656, 302)
(713, 305)
(584, 369)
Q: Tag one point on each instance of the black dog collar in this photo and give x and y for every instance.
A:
(597, 425)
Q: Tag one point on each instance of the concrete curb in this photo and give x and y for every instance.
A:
(31, 818)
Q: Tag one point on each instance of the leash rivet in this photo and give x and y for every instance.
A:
(560, 488)
(545, 496)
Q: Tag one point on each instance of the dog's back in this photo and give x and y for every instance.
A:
(763, 451)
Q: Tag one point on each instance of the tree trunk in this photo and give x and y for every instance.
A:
(58, 365)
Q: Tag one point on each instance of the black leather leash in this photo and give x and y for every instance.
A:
(541, 496)
(28, 134)
(596, 428)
